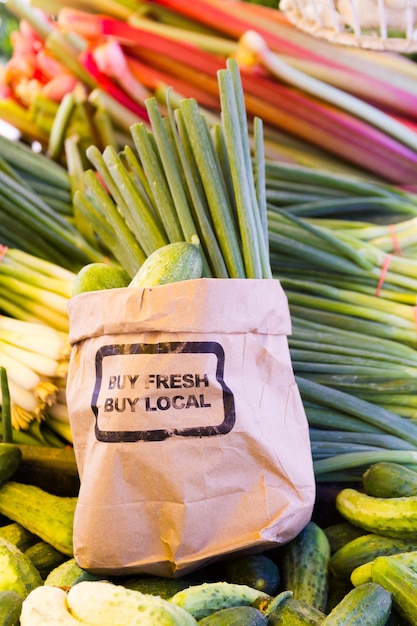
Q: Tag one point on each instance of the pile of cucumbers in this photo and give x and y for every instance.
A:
(360, 570)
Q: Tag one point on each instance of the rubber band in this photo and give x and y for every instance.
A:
(395, 243)
(384, 271)
(3, 251)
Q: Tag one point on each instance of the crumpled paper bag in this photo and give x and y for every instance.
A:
(190, 436)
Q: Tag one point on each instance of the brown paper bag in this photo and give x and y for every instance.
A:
(189, 432)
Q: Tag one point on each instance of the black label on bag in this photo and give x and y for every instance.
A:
(151, 391)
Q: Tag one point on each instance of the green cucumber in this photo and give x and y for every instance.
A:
(17, 572)
(392, 517)
(10, 608)
(364, 549)
(367, 605)
(304, 566)
(157, 585)
(17, 534)
(293, 612)
(171, 263)
(389, 480)
(68, 574)
(401, 582)
(10, 460)
(255, 570)
(97, 276)
(45, 557)
(207, 598)
(48, 516)
(340, 533)
(235, 616)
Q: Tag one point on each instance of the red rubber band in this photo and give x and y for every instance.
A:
(384, 271)
(395, 243)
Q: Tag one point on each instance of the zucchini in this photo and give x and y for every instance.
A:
(392, 517)
(10, 460)
(17, 572)
(254, 570)
(10, 608)
(304, 564)
(364, 549)
(340, 533)
(171, 263)
(367, 605)
(235, 616)
(389, 480)
(45, 557)
(48, 516)
(207, 598)
(399, 580)
(97, 276)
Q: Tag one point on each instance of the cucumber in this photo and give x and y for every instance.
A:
(255, 570)
(392, 517)
(17, 534)
(293, 612)
(367, 605)
(364, 549)
(401, 582)
(157, 586)
(235, 616)
(10, 608)
(48, 516)
(68, 574)
(207, 598)
(17, 572)
(10, 460)
(97, 276)
(171, 263)
(45, 557)
(341, 533)
(304, 566)
(389, 480)
(107, 603)
(363, 573)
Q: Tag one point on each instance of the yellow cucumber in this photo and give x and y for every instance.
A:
(367, 605)
(363, 573)
(48, 516)
(366, 548)
(107, 604)
(401, 582)
(304, 565)
(171, 263)
(392, 517)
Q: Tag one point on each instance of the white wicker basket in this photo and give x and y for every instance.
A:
(375, 24)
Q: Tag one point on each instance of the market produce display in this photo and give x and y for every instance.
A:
(166, 141)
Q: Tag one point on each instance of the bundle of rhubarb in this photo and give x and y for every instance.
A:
(87, 73)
